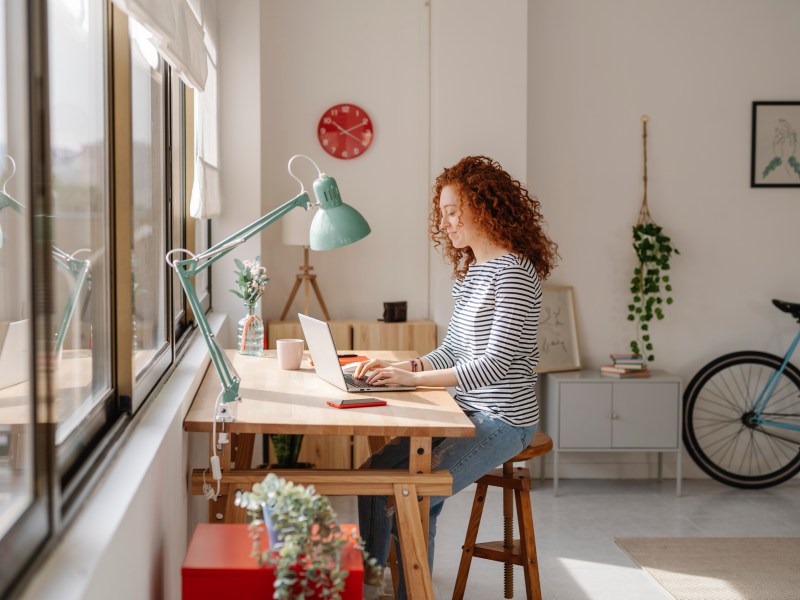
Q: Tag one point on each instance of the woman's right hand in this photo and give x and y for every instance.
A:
(369, 365)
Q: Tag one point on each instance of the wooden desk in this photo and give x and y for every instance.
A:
(277, 401)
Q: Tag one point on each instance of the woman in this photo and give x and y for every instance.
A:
(491, 231)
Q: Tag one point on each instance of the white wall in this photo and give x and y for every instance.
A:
(694, 68)
(478, 100)
(317, 54)
(240, 144)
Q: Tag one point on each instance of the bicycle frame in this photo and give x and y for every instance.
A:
(766, 393)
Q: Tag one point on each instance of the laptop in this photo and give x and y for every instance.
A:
(326, 360)
(15, 352)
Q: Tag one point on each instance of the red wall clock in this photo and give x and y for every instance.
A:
(345, 131)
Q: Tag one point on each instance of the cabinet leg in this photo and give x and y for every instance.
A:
(660, 468)
(555, 472)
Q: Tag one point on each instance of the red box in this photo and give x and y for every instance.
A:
(218, 565)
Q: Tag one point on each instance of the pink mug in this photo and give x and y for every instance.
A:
(290, 354)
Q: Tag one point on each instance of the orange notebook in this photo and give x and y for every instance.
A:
(343, 360)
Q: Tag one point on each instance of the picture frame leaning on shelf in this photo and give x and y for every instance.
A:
(558, 335)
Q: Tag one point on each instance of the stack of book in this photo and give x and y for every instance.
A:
(626, 365)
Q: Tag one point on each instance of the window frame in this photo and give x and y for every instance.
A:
(65, 476)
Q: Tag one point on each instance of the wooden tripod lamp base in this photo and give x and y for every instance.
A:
(309, 279)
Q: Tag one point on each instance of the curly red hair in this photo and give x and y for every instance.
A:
(508, 214)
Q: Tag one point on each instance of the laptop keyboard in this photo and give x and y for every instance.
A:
(356, 383)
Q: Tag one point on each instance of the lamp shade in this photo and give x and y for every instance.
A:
(336, 224)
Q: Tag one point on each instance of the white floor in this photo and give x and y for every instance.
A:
(575, 532)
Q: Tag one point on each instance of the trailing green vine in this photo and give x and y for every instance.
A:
(650, 285)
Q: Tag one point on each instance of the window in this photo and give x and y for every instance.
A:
(80, 274)
(17, 472)
(149, 215)
(103, 188)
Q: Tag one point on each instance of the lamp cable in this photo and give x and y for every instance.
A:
(297, 179)
(216, 473)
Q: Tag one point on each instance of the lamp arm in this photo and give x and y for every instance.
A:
(6, 200)
(79, 269)
(188, 268)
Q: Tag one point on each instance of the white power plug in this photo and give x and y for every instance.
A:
(216, 470)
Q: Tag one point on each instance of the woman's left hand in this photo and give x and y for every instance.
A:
(391, 376)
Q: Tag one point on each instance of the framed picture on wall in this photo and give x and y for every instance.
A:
(558, 336)
(775, 160)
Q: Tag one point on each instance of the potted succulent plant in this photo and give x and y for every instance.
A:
(287, 451)
(305, 541)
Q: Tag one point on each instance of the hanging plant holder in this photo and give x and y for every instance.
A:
(650, 284)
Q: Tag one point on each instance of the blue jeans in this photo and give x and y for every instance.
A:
(467, 460)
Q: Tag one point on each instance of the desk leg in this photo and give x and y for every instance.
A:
(419, 461)
(412, 543)
(242, 453)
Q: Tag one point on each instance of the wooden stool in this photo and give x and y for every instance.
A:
(516, 484)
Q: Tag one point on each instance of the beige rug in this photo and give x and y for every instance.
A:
(695, 568)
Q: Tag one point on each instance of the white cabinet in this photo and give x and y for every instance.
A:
(587, 412)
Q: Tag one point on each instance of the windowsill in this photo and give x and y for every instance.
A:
(75, 566)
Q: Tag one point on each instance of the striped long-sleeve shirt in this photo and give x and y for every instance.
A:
(491, 339)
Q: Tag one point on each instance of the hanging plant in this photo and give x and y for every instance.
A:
(650, 285)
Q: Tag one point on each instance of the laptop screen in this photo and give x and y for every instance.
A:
(323, 350)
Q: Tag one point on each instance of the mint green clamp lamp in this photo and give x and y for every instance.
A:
(335, 225)
(77, 268)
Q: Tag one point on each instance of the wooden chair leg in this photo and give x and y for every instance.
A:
(530, 562)
(508, 532)
(469, 542)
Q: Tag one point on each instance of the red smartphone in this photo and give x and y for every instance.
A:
(356, 402)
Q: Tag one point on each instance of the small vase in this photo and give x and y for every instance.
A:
(275, 539)
(250, 333)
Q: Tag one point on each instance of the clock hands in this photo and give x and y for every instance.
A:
(349, 130)
(345, 131)
(364, 122)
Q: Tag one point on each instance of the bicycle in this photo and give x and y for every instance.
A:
(741, 418)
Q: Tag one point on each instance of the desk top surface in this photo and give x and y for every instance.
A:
(278, 401)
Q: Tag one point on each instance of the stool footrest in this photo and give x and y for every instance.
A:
(497, 552)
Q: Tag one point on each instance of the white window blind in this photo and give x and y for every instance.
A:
(184, 33)
(178, 35)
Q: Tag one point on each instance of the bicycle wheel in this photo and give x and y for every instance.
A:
(719, 431)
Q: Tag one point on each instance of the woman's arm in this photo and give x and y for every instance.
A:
(401, 373)
(397, 375)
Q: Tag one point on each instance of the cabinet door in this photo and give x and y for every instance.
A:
(278, 330)
(645, 415)
(418, 336)
(584, 415)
